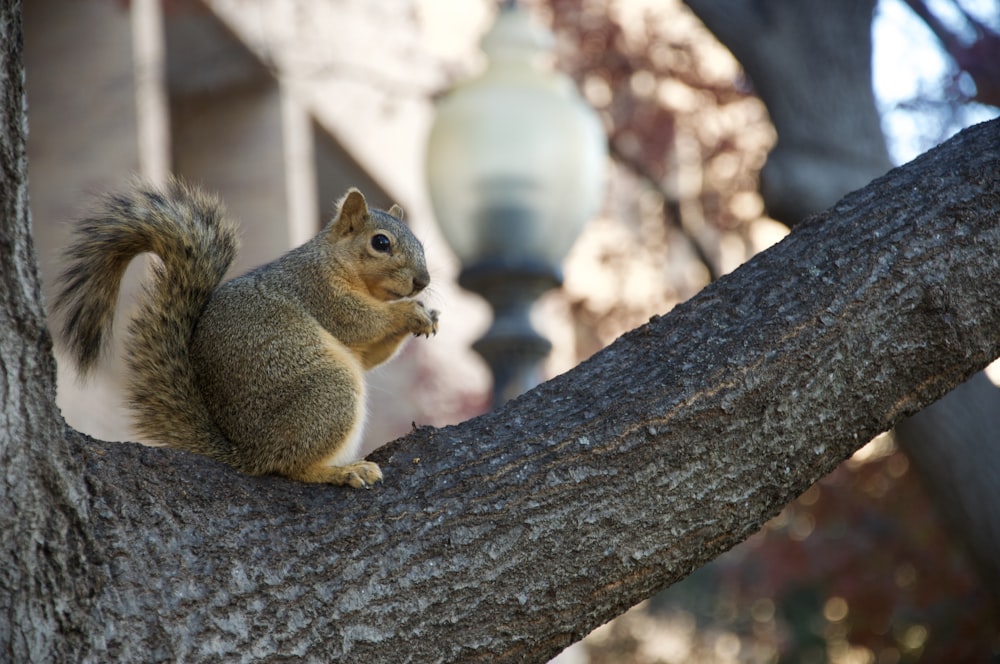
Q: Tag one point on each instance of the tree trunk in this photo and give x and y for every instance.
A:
(47, 581)
(810, 62)
(955, 447)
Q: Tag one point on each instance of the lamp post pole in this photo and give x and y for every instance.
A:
(516, 163)
(512, 348)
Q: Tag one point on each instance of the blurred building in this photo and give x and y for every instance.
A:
(151, 87)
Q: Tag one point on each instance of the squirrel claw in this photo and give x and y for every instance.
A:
(429, 325)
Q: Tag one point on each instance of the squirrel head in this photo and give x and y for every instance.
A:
(381, 251)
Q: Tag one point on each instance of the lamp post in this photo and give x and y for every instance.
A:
(516, 164)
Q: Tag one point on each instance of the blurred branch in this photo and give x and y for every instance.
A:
(671, 205)
(980, 59)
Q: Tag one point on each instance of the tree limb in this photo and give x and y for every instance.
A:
(510, 536)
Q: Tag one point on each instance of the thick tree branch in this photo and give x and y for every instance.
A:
(509, 536)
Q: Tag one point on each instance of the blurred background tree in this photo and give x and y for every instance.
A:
(876, 563)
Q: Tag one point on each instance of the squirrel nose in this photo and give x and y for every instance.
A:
(420, 281)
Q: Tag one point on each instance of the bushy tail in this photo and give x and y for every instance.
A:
(196, 243)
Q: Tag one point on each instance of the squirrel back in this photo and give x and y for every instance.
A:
(265, 371)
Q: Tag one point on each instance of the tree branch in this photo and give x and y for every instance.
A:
(511, 535)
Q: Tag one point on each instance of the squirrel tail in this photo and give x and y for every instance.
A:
(196, 244)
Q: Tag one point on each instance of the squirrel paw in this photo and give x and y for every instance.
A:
(361, 475)
(427, 322)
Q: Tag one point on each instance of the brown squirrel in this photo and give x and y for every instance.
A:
(264, 372)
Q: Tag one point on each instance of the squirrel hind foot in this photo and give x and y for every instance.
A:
(360, 475)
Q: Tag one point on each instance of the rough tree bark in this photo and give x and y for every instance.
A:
(46, 583)
(811, 63)
(509, 536)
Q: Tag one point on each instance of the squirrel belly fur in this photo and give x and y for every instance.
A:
(264, 372)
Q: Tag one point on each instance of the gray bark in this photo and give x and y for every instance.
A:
(811, 63)
(46, 577)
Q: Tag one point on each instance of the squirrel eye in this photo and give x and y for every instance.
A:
(381, 243)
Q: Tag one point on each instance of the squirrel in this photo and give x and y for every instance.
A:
(264, 372)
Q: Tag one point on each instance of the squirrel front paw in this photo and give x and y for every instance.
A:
(425, 320)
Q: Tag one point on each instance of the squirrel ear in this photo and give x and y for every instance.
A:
(396, 211)
(352, 205)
